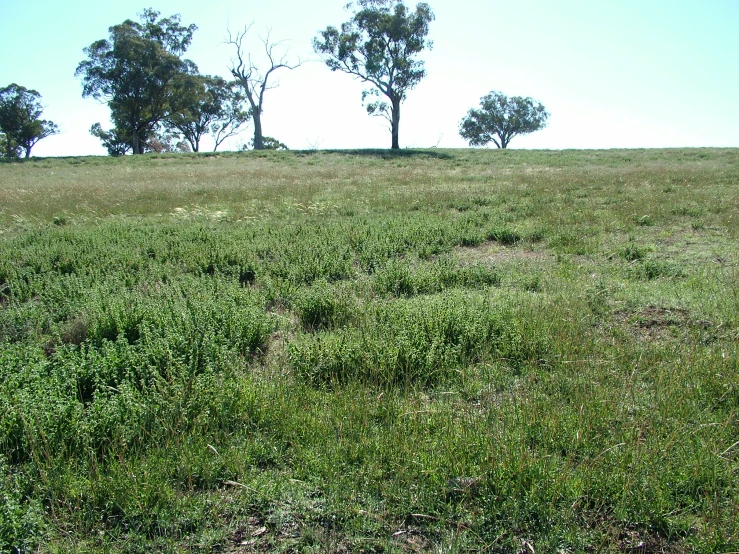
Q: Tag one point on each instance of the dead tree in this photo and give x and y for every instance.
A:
(254, 81)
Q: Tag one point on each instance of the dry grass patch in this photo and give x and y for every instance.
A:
(493, 253)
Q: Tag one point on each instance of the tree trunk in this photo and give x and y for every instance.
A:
(135, 144)
(395, 123)
(505, 138)
(258, 138)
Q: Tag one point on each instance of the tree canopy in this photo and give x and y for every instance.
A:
(377, 45)
(134, 71)
(21, 126)
(501, 118)
(206, 105)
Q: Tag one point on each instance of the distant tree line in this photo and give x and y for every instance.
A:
(160, 102)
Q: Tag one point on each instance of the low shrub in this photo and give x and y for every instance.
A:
(322, 306)
(419, 341)
(400, 279)
(21, 519)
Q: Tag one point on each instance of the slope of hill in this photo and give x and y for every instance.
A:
(435, 350)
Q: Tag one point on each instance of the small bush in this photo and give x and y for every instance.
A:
(395, 278)
(321, 306)
(503, 235)
(633, 252)
(21, 519)
(471, 239)
(402, 280)
(568, 242)
(649, 269)
(477, 276)
(532, 283)
(536, 235)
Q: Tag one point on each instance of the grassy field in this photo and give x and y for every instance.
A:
(429, 351)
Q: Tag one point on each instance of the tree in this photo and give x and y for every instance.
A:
(271, 143)
(377, 45)
(167, 141)
(4, 145)
(115, 141)
(133, 71)
(206, 105)
(504, 118)
(255, 82)
(20, 120)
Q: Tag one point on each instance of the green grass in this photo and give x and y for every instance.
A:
(367, 351)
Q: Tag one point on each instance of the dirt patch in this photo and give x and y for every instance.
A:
(632, 540)
(410, 539)
(655, 322)
(655, 317)
(254, 536)
(492, 252)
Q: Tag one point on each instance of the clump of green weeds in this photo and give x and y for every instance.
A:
(399, 278)
(412, 342)
(22, 523)
(633, 252)
(649, 269)
(322, 306)
(503, 235)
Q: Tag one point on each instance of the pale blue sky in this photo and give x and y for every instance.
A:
(613, 74)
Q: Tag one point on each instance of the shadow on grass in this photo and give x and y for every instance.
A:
(389, 154)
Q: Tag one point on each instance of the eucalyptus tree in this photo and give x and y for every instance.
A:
(378, 45)
(501, 118)
(206, 105)
(134, 71)
(255, 80)
(21, 125)
(116, 141)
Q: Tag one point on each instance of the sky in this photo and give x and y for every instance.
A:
(612, 74)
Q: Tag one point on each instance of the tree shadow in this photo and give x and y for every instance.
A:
(389, 154)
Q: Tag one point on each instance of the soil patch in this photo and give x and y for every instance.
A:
(654, 322)
(492, 252)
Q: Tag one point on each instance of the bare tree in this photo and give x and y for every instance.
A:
(254, 81)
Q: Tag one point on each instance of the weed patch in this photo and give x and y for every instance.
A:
(419, 342)
(365, 351)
